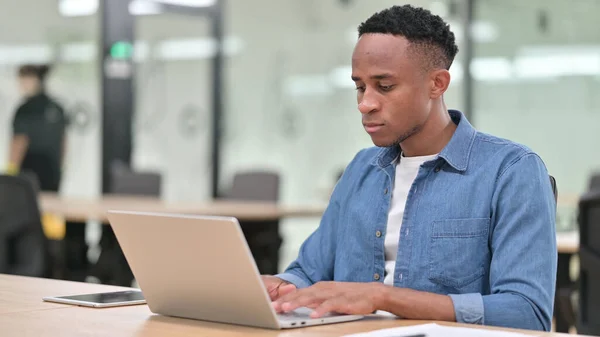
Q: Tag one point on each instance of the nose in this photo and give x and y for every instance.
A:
(368, 103)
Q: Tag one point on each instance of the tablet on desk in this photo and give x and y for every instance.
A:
(101, 300)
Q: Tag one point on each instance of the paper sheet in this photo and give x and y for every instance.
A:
(435, 330)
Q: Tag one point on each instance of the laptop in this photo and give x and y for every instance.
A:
(200, 267)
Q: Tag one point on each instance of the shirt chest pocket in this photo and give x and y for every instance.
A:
(458, 251)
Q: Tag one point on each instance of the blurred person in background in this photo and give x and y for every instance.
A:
(39, 138)
(39, 126)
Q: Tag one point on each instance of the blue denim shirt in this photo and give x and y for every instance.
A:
(479, 225)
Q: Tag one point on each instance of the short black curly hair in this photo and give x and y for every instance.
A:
(428, 33)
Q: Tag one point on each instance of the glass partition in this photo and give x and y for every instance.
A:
(172, 128)
(536, 83)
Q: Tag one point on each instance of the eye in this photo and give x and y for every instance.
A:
(386, 87)
(360, 89)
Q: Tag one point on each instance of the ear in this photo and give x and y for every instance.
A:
(440, 80)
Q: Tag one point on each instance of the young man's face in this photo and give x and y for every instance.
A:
(28, 85)
(393, 89)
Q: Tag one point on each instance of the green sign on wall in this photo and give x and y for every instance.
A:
(121, 50)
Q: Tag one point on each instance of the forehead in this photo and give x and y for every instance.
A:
(383, 52)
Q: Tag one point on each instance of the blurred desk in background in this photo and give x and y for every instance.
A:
(568, 242)
(568, 199)
(82, 209)
(258, 220)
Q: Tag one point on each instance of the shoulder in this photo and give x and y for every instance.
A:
(503, 152)
(23, 111)
(24, 105)
(50, 101)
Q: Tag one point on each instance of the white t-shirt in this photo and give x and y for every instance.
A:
(407, 169)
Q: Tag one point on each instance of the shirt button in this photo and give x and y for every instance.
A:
(378, 234)
(376, 277)
(437, 169)
(385, 191)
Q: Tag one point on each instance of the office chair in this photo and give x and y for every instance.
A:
(554, 188)
(594, 183)
(112, 266)
(32, 178)
(254, 186)
(563, 306)
(124, 181)
(588, 321)
(23, 246)
(56, 249)
(566, 311)
(263, 237)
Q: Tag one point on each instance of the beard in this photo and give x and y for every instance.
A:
(413, 131)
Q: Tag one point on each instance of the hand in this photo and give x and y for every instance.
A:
(338, 297)
(12, 169)
(277, 287)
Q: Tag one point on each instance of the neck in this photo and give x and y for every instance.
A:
(434, 134)
(34, 93)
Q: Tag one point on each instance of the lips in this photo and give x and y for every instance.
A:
(372, 127)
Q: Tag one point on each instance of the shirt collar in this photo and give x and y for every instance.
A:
(456, 153)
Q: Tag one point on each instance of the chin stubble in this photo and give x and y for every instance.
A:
(406, 135)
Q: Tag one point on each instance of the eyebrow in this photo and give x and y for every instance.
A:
(374, 77)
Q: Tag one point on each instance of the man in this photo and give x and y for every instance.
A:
(39, 130)
(438, 221)
(39, 139)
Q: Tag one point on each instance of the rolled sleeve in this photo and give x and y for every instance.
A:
(468, 308)
(294, 279)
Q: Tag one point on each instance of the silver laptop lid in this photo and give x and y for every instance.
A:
(196, 267)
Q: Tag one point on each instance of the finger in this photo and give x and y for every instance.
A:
(286, 289)
(272, 288)
(340, 305)
(309, 299)
(290, 296)
(277, 307)
(283, 291)
(318, 289)
(273, 293)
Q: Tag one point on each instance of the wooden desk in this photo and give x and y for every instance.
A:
(22, 294)
(81, 210)
(568, 242)
(24, 314)
(568, 199)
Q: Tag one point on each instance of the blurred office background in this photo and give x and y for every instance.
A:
(289, 105)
